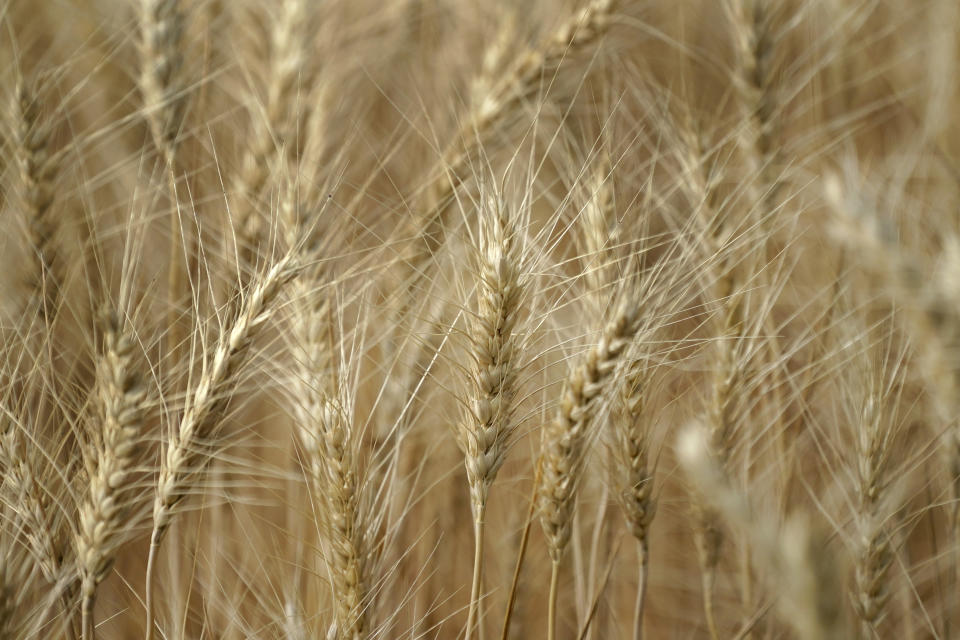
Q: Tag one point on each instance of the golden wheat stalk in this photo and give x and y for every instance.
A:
(632, 440)
(495, 335)
(120, 396)
(187, 452)
(567, 438)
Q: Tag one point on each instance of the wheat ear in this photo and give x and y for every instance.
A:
(187, 453)
(271, 131)
(875, 554)
(161, 81)
(38, 167)
(331, 444)
(120, 397)
(724, 408)
(164, 95)
(754, 82)
(30, 500)
(325, 428)
(487, 429)
(877, 443)
(931, 324)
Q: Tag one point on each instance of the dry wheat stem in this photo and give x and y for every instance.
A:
(552, 600)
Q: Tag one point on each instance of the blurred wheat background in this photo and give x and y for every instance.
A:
(587, 319)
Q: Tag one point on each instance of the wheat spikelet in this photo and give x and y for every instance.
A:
(566, 440)
(754, 41)
(632, 442)
(486, 431)
(205, 402)
(876, 553)
(324, 425)
(337, 482)
(26, 493)
(728, 356)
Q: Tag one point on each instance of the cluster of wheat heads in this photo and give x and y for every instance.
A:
(443, 319)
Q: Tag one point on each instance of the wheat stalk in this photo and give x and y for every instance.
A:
(632, 439)
(187, 452)
(486, 431)
(566, 438)
(120, 396)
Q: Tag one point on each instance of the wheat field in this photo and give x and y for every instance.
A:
(587, 319)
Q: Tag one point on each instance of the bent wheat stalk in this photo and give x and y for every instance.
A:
(187, 453)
